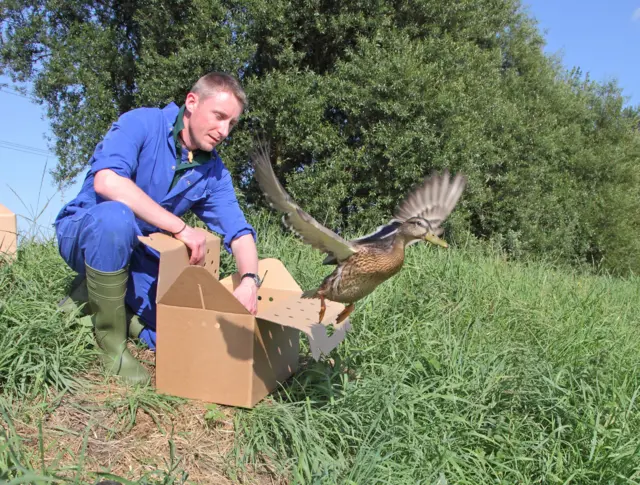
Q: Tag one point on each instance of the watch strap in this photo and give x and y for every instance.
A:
(253, 276)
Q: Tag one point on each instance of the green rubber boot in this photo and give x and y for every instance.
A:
(79, 296)
(134, 325)
(106, 292)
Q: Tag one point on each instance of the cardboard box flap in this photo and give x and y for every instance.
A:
(8, 232)
(275, 275)
(174, 257)
(299, 313)
(5, 211)
(195, 287)
(321, 343)
(162, 243)
(272, 272)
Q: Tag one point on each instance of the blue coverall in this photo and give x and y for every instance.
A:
(103, 233)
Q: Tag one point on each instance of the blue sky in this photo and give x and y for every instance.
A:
(21, 169)
(603, 38)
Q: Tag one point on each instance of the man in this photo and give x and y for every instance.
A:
(151, 167)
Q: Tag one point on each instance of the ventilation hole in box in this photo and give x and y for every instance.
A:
(290, 316)
(259, 298)
(276, 315)
(270, 298)
(208, 251)
(205, 263)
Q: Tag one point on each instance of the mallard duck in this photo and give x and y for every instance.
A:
(366, 262)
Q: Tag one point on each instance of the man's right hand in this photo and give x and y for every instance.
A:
(196, 241)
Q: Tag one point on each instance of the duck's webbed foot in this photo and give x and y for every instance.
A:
(345, 313)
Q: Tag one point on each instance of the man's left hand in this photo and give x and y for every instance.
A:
(247, 294)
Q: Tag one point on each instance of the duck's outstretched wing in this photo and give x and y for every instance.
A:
(296, 219)
(433, 200)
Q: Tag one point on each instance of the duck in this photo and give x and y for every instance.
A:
(364, 263)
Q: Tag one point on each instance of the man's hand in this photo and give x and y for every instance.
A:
(196, 241)
(247, 294)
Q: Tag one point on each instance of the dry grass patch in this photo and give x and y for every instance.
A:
(106, 427)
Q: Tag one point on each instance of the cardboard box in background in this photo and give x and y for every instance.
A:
(209, 347)
(8, 233)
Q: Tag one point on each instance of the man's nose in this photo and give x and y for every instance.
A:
(225, 128)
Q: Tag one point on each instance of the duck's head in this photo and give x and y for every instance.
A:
(417, 228)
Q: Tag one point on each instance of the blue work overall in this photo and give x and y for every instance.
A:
(103, 233)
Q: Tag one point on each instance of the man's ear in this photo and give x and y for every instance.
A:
(191, 102)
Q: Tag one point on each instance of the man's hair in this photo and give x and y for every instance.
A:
(214, 82)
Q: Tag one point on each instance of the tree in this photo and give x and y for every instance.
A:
(90, 61)
(360, 100)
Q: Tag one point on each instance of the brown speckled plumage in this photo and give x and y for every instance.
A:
(364, 263)
(356, 277)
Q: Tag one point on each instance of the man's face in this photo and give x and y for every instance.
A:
(211, 119)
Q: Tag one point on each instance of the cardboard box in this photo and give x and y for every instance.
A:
(209, 347)
(8, 234)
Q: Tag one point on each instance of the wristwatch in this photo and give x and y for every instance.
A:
(253, 276)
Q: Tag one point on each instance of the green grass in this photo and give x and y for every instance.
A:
(44, 354)
(39, 345)
(465, 368)
(469, 369)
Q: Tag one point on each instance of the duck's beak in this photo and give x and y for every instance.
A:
(433, 239)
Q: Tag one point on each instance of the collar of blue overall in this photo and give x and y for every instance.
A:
(194, 158)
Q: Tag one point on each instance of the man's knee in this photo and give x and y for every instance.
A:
(109, 236)
(115, 220)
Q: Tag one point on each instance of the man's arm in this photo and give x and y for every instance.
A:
(112, 186)
(113, 164)
(246, 255)
(222, 214)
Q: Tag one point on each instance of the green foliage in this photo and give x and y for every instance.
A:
(361, 99)
(464, 368)
(214, 414)
(39, 345)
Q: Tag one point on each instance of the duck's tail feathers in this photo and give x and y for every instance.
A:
(311, 294)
